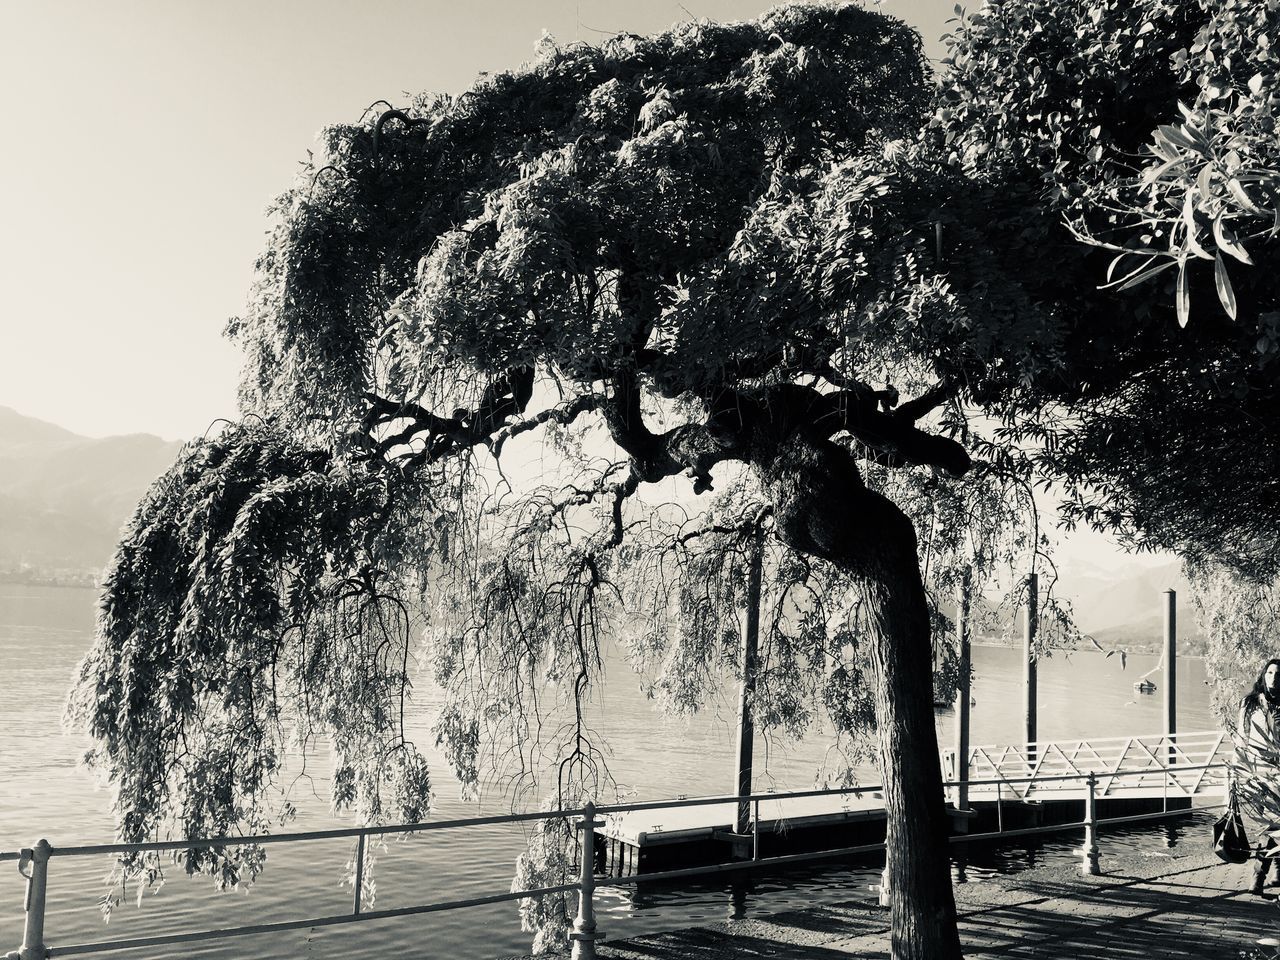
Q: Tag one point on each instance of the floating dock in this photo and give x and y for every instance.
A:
(1006, 787)
(659, 838)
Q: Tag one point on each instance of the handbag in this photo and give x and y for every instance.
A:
(1229, 840)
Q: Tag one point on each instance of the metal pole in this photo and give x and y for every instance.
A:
(584, 935)
(33, 947)
(359, 873)
(961, 771)
(1171, 672)
(1089, 866)
(1029, 661)
(755, 830)
(746, 687)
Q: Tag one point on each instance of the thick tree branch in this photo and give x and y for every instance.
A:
(927, 402)
(692, 448)
(564, 415)
(892, 437)
(505, 396)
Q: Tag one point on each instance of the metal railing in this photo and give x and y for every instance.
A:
(1103, 756)
(33, 862)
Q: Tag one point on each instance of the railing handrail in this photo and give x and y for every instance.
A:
(585, 932)
(1166, 737)
(676, 803)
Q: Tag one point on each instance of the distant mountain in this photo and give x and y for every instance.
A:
(1124, 608)
(1147, 635)
(1127, 595)
(17, 430)
(1120, 607)
(64, 497)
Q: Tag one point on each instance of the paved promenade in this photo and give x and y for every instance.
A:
(1190, 906)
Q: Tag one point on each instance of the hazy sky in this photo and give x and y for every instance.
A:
(146, 139)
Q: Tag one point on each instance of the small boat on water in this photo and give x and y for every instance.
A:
(1144, 686)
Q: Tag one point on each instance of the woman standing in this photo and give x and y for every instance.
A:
(1257, 766)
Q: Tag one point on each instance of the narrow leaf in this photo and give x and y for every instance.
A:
(1139, 273)
(1236, 189)
(1204, 182)
(1147, 274)
(1176, 136)
(1227, 241)
(1223, 283)
(1189, 221)
(1184, 295)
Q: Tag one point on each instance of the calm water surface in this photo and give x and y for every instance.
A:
(44, 793)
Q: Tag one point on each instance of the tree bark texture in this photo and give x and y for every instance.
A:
(823, 508)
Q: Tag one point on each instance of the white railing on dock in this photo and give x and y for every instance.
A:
(1143, 760)
(33, 862)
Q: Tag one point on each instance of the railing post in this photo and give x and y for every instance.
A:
(359, 873)
(33, 947)
(1030, 628)
(1089, 865)
(747, 685)
(1171, 673)
(755, 830)
(584, 935)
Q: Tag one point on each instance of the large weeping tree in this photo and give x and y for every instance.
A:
(722, 255)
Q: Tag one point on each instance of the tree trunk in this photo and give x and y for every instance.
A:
(823, 508)
(917, 851)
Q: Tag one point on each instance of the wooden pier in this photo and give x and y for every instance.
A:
(661, 837)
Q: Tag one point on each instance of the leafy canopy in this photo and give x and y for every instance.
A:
(724, 253)
(1149, 130)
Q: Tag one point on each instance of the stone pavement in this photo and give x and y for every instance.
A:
(1172, 908)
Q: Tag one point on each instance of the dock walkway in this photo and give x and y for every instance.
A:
(1187, 907)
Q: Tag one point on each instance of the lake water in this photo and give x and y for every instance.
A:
(44, 793)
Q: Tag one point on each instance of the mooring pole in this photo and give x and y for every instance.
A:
(1171, 671)
(747, 686)
(963, 605)
(1029, 662)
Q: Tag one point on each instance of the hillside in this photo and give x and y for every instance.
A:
(1121, 606)
(64, 497)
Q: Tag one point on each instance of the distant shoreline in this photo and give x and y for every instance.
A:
(73, 581)
(89, 581)
(1147, 649)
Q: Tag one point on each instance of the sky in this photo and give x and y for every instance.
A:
(147, 138)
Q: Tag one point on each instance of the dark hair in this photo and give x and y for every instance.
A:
(1260, 685)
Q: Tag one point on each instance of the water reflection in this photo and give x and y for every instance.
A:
(739, 887)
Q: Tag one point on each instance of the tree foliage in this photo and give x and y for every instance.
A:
(1145, 129)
